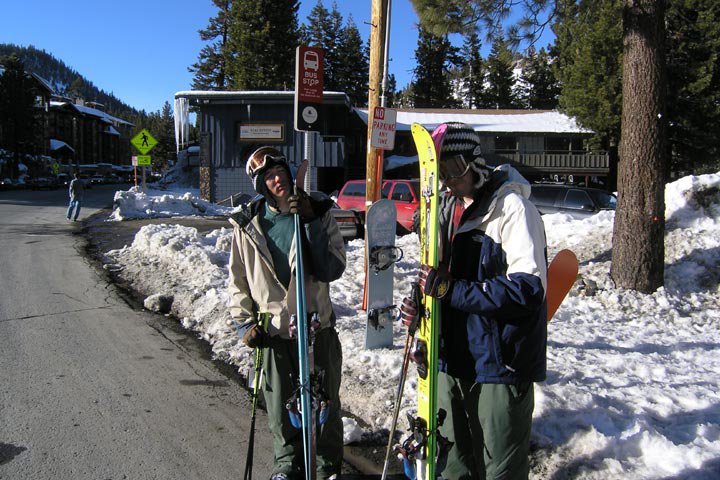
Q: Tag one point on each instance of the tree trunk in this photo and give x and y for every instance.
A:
(638, 256)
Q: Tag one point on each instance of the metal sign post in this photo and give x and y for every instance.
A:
(309, 79)
(144, 142)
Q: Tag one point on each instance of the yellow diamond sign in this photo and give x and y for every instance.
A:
(143, 141)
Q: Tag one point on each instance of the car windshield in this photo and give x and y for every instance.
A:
(604, 200)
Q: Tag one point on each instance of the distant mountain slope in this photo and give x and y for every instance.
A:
(65, 80)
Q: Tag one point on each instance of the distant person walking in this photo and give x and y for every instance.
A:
(76, 192)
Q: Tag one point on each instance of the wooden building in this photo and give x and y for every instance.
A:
(541, 144)
(93, 135)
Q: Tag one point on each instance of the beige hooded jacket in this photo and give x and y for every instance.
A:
(254, 286)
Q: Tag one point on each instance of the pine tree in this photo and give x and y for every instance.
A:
(212, 68)
(352, 64)
(538, 86)
(473, 72)
(589, 50)
(432, 88)
(391, 92)
(263, 36)
(77, 89)
(324, 30)
(162, 126)
(694, 84)
(19, 119)
(500, 76)
(638, 252)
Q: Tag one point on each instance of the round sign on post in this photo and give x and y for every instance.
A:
(308, 88)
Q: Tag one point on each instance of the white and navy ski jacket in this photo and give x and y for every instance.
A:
(494, 327)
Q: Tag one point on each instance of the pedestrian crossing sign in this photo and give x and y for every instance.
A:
(143, 141)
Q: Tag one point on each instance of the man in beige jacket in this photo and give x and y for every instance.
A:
(262, 281)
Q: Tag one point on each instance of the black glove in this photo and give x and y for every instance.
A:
(255, 337)
(435, 282)
(300, 203)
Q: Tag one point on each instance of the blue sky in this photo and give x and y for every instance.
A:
(140, 50)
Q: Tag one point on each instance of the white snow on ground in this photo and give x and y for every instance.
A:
(135, 203)
(633, 388)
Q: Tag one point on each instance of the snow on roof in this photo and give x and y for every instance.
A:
(521, 121)
(45, 84)
(230, 95)
(239, 93)
(58, 144)
(91, 111)
(111, 130)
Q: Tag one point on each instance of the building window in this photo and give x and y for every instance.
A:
(505, 144)
(557, 145)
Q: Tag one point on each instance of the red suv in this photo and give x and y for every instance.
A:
(404, 193)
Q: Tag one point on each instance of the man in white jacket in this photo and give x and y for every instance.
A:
(491, 283)
(262, 283)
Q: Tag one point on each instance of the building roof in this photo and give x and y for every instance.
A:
(242, 96)
(59, 144)
(513, 121)
(91, 111)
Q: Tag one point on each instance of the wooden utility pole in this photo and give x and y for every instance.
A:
(373, 171)
(378, 21)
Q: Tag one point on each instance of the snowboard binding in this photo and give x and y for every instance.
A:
(380, 316)
(382, 257)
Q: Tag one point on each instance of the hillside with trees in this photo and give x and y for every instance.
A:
(65, 80)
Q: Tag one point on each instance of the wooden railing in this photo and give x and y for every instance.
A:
(586, 163)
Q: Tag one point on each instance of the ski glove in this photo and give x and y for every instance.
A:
(435, 282)
(300, 203)
(409, 312)
(255, 337)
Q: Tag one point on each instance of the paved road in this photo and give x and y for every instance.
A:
(89, 387)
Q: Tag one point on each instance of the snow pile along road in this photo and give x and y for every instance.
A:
(633, 388)
(133, 204)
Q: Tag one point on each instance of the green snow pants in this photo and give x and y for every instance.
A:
(281, 374)
(490, 427)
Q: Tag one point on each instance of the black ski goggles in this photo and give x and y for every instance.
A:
(453, 166)
(258, 163)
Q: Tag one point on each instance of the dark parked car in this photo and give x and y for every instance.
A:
(351, 227)
(43, 183)
(579, 202)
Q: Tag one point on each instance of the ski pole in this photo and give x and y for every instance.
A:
(262, 322)
(415, 295)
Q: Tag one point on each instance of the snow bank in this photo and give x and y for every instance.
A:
(133, 204)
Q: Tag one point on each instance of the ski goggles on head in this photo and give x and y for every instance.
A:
(453, 166)
(258, 163)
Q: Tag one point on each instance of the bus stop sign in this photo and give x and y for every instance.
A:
(308, 88)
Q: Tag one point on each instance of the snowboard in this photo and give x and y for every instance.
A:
(380, 221)
(425, 425)
(561, 276)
